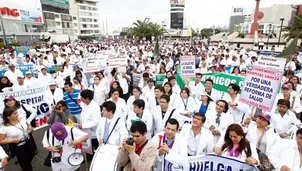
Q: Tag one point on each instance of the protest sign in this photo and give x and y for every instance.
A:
(54, 68)
(91, 64)
(22, 49)
(113, 61)
(260, 87)
(271, 62)
(22, 68)
(122, 64)
(213, 162)
(136, 79)
(32, 96)
(159, 79)
(187, 66)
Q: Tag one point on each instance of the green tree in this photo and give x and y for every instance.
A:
(295, 30)
(141, 29)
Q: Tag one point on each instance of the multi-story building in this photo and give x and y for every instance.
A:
(58, 21)
(20, 22)
(88, 19)
(177, 14)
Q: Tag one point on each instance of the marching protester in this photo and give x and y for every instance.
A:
(54, 94)
(60, 141)
(136, 152)
(71, 97)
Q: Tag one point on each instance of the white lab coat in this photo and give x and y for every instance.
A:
(283, 124)
(206, 143)
(118, 134)
(211, 106)
(130, 103)
(195, 90)
(90, 117)
(294, 102)
(53, 98)
(148, 92)
(146, 118)
(30, 109)
(271, 136)
(177, 155)
(180, 104)
(31, 81)
(121, 108)
(285, 153)
(159, 122)
(12, 76)
(215, 95)
(240, 112)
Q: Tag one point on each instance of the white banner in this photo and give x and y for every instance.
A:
(260, 87)
(213, 163)
(187, 66)
(33, 96)
(91, 64)
(271, 62)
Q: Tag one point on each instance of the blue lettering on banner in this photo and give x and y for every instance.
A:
(42, 108)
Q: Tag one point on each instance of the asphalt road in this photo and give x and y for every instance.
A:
(39, 158)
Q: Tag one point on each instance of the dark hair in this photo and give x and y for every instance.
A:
(228, 143)
(117, 83)
(284, 102)
(139, 103)
(146, 75)
(203, 117)
(160, 88)
(198, 74)
(298, 79)
(114, 90)
(235, 87)
(110, 106)
(226, 104)
(8, 112)
(186, 90)
(68, 83)
(62, 102)
(166, 97)
(76, 78)
(172, 121)
(78, 72)
(138, 126)
(299, 132)
(138, 89)
(170, 92)
(97, 77)
(210, 80)
(17, 104)
(171, 78)
(235, 68)
(87, 94)
(292, 84)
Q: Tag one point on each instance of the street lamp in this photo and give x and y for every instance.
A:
(282, 20)
(3, 30)
(269, 32)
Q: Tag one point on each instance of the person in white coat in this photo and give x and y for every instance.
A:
(121, 106)
(148, 90)
(261, 134)
(29, 79)
(164, 112)
(234, 144)
(175, 88)
(110, 123)
(137, 94)
(206, 104)
(170, 148)
(53, 94)
(211, 91)
(185, 104)
(217, 120)
(285, 155)
(200, 141)
(141, 114)
(195, 87)
(90, 117)
(152, 103)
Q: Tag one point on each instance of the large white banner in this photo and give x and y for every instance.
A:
(187, 66)
(33, 96)
(213, 163)
(260, 87)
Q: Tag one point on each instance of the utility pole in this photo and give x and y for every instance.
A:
(282, 20)
(3, 30)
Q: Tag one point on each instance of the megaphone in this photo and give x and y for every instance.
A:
(77, 157)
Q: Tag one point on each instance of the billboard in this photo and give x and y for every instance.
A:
(57, 3)
(238, 10)
(177, 2)
(30, 11)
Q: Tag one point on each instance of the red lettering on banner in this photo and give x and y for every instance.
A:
(10, 12)
(42, 121)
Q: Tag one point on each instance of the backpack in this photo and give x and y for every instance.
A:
(265, 164)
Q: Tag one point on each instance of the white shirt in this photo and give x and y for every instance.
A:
(240, 112)
(90, 117)
(195, 90)
(285, 123)
(146, 118)
(160, 121)
(18, 86)
(55, 97)
(99, 93)
(148, 92)
(44, 78)
(31, 81)
(67, 149)
(121, 108)
(12, 76)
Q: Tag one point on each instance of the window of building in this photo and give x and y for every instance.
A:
(95, 26)
(82, 7)
(67, 25)
(74, 18)
(58, 23)
(94, 9)
(57, 16)
(63, 24)
(66, 18)
(84, 25)
(76, 31)
(75, 24)
(50, 16)
(96, 31)
(95, 20)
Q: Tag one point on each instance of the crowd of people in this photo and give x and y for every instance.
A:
(146, 120)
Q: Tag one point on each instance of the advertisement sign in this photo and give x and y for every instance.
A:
(260, 87)
(177, 2)
(57, 3)
(33, 96)
(238, 11)
(31, 11)
(213, 162)
(187, 66)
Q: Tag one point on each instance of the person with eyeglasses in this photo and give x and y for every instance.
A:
(218, 120)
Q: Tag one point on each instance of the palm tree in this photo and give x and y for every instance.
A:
(156, 30)
(141, 28)
(295, 30)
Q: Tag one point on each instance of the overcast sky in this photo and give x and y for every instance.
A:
(198, 13)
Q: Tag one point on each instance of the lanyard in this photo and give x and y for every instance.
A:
(185, 104)
(169, 145)
(18, 127)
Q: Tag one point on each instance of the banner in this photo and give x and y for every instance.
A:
(91, 64)
(33, 96)
(22, 68)
(260, 87)
(238, 11)
(22, 49)
(57, 3)
(271, 62)
(214, 163)
(177, 2)
(159, 79)
(187, 66)
(53, 67)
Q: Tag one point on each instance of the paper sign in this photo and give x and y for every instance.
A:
(187, 65)
(260, 87)
(271, 62)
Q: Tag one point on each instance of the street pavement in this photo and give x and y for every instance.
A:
(39, 158)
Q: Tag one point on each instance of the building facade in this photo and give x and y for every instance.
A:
(88, 19)
(177, 14)
(21, 22)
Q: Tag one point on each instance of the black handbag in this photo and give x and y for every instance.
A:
(47, 161)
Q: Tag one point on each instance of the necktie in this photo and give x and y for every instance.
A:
(106, 131)
(218, 119)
